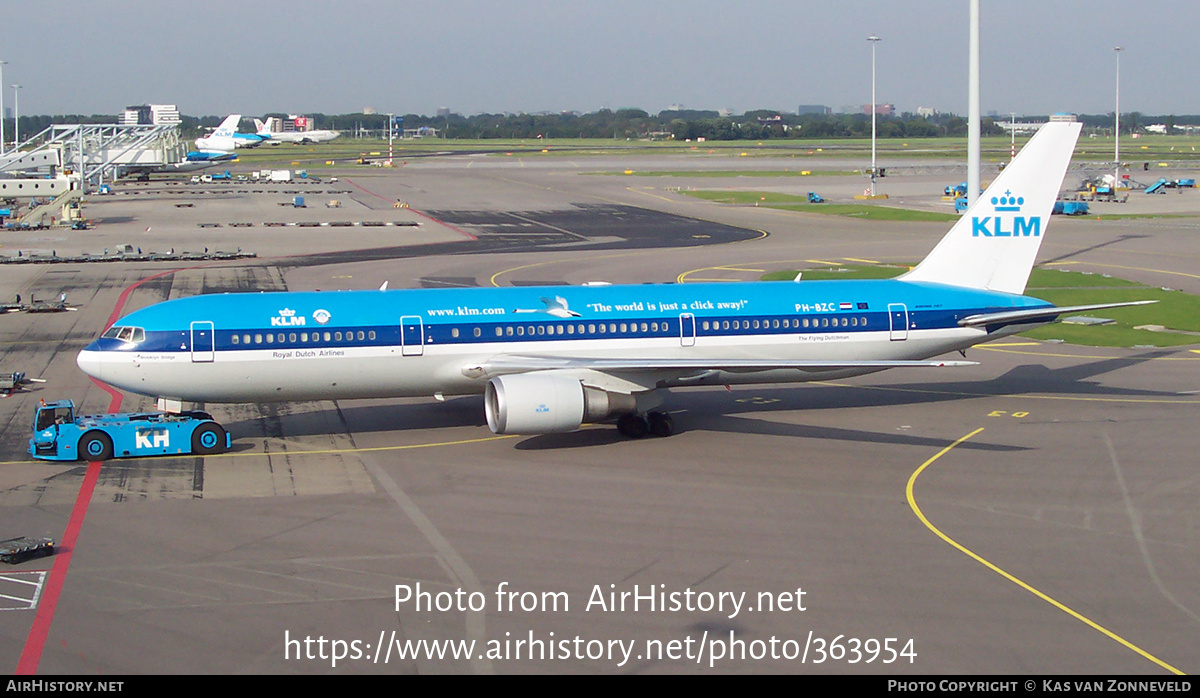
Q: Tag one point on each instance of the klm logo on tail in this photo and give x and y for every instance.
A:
(993, 226)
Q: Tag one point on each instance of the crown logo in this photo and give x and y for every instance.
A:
(1008, 202)
(287, 312)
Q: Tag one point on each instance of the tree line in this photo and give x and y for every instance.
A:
(621, 124)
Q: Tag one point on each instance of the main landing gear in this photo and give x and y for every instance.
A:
(637, 426)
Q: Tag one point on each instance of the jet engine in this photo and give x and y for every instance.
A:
(537, 403)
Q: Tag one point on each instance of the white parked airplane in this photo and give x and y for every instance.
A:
(551, 359)
(226, 137)
(298, 137)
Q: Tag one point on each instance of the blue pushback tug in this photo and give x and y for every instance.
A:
(60, 434)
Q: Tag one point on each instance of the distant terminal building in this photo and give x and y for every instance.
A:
(776, 120)
(150, 115)
(814, 109)
(880, 109)
(443, 111)
(1019, 126)
(292, 124)
(1177, 128)
(370, 110)
(927, 112)
(422, 132)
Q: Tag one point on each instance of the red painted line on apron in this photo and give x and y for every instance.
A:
(31, 653)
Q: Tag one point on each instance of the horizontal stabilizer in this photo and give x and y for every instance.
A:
(521, 364)
(1011, 316)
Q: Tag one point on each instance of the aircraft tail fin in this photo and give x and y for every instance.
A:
(994, 244)
(227, 127)
(259, 127)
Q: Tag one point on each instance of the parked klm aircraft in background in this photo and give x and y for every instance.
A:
(298, 137)
(212, 150)
(225, 139)
(551, 359)
(194, 162)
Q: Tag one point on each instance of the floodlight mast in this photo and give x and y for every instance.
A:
(1117, 126)
(2, 64)
(874, 170)
(16, 116)
(973, 129)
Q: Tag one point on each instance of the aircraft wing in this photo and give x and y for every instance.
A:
(515, 363)
(1010, 316)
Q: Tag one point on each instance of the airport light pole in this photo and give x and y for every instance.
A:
(1117, 126)
(974, 140)
(2, 64)
(16, 116)
(874, 40)
(1012, 115)
(391, 124)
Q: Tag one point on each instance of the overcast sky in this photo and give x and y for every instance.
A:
(212, 57)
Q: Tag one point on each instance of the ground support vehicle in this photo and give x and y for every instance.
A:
(17, 550)
(60, 434)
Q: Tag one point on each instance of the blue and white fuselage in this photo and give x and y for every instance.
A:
(226, 138)
(353, 344)
(549, 359)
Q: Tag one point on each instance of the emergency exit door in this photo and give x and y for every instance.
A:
(202, 342)
(412, 336)
(898, 321)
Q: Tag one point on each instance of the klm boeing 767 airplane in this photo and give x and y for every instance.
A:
(552, 359)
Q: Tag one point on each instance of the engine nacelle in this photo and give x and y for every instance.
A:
(537, 403)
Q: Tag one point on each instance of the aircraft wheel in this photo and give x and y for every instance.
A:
(633, 425)
(208, 438)
(661, 424)
(95, 446)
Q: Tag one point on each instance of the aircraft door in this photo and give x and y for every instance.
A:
(687, 330)
(202, 342)
(898, 321)
(412, 336)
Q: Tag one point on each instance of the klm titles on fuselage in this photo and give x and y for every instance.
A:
(993, 226)
(287, 318)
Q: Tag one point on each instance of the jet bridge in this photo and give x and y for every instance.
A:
(18, 161)
(98, 152)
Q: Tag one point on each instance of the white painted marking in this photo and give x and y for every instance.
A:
(29, 582)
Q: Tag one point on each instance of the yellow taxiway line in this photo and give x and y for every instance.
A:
(912, 503)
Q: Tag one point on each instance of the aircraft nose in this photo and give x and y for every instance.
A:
(89, 361)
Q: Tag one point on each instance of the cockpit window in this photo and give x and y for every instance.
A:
(131, 335)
